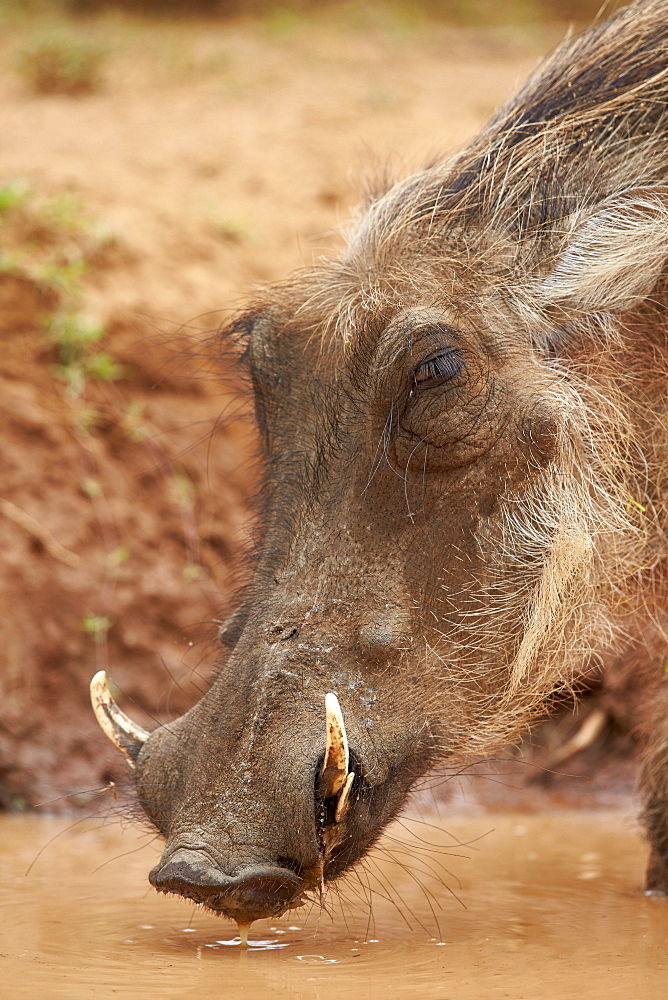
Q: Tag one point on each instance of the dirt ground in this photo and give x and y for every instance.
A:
(213, 155)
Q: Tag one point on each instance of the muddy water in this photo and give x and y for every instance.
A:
(496, 907)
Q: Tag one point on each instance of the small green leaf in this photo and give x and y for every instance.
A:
(97, 626)
(13, 194)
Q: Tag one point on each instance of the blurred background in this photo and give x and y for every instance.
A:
(158, 160)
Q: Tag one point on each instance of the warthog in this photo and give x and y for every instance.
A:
(465, 420)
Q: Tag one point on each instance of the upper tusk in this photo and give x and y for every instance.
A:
(335, 765)
(123, 732)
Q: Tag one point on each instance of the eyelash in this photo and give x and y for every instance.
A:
(436, 369)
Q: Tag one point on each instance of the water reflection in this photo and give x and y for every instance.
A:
(552, 909)
(270, 944)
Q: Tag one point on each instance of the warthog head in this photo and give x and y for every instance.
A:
(448, 523)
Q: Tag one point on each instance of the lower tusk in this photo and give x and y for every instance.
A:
(126, 735)
(344, 795)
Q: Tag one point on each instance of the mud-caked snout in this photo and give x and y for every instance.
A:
(254, 892)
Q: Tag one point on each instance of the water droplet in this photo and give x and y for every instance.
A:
(188, 930)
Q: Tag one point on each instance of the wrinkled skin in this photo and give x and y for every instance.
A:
(375, 460)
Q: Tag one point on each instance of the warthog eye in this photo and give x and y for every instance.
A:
(437, 368)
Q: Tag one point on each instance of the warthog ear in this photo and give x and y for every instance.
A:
(614, 257)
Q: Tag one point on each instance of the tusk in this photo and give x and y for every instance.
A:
(335, 779)
(335, 765)
(123, 732)
(342, 803)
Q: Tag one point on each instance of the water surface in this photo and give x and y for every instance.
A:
(533, 907)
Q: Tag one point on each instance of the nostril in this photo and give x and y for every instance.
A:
(189, 873)
(256, 891)
(264, 888)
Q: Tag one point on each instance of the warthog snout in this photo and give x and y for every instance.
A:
(256, 891)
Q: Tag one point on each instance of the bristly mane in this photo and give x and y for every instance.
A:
(591, 121)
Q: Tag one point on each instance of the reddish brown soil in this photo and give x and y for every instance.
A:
(215, 155)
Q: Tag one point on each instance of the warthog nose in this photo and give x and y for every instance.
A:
(255, 892)
(189, 873)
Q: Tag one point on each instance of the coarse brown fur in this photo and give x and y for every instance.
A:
(465, 421)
